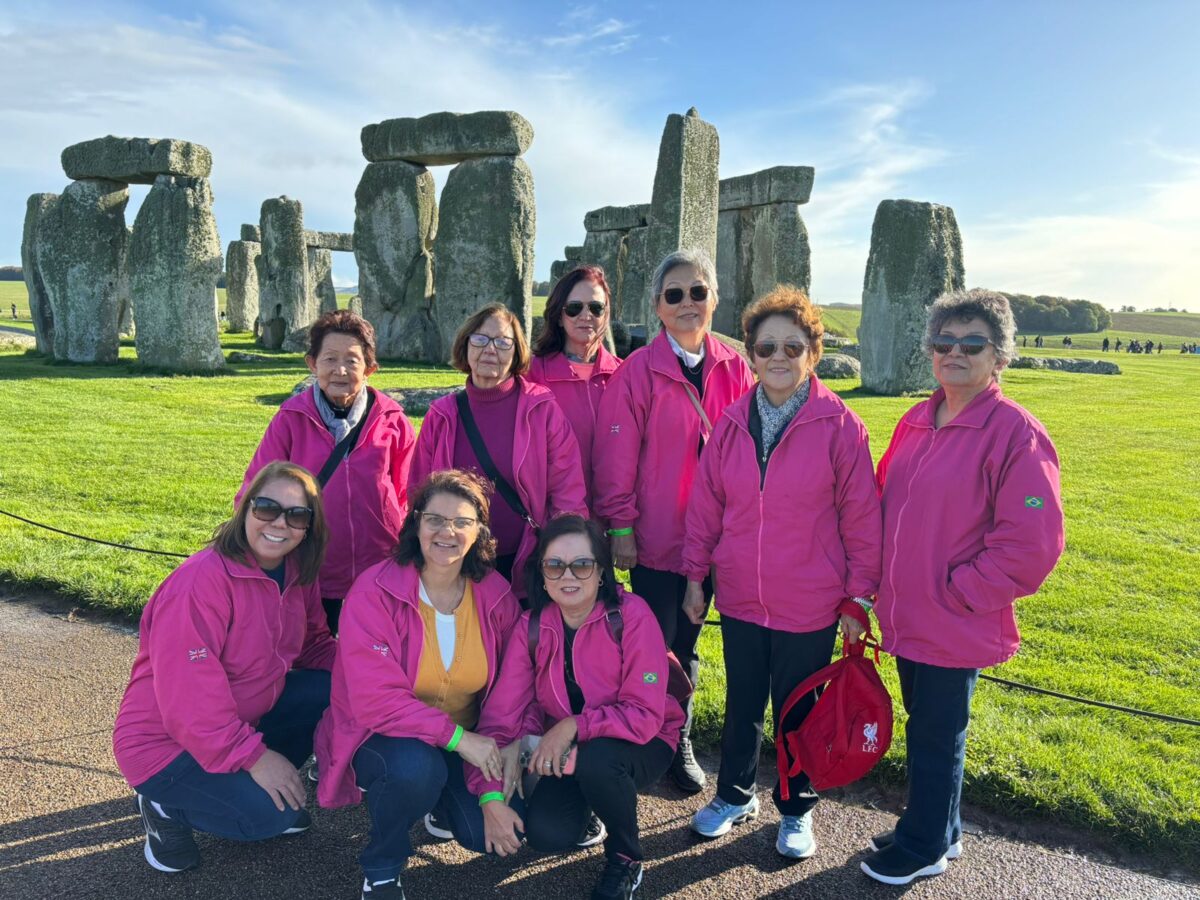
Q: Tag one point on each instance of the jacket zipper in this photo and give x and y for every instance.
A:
(899, 518)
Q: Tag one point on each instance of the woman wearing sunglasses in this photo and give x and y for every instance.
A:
(585, 672)
(784, 511)
(231, 678)
(972, 520)
(569, 357)
(366, 487)
(528, 448)
(656, 415)
(419, 652)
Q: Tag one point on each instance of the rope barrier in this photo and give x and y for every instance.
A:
(93, 540)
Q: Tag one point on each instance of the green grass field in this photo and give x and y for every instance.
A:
(155, 461)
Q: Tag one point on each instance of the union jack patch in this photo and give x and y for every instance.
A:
(198, 654)
(381, 649)
(615, 429)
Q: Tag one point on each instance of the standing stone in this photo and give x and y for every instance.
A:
(124, 294)
(174, 263)
(395, 221)
(484, 248)
(80, 244)
(607, 249)
(758, 248)
(634, 304)
(916, 255)
(320, 279)
(445, 138)
(36, 207)
(241, 285)
(252, 233)
(286, 303)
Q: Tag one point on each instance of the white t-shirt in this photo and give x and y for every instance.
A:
(446, 632)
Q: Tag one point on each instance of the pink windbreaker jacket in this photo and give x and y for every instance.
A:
(647, 435)
(972, 519)
(546, 462)
(217, 641)
(380, 642)
(366, 499)
(624, 687)
(788, 546)
(578, 399)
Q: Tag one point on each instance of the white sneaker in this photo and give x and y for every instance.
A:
(718, 817)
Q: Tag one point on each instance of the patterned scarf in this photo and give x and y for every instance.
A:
(776, 418)
(339, 428)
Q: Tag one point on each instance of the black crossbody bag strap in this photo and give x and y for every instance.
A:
(343, 448)
(506, 490)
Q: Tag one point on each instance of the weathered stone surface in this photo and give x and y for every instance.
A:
(1059, 364)
(252, 233)
(320, 278)
(241, 285)
(916, 255)
(558, 269)
(286, 302)
(484, 247)
(849, 350)
(446, 138)
(124, 294)
(241, 356)
(634, 304)
(608, 250)
(758, 248)
(36, 207)
(416, 401)
(395, 220)
(136, 160)
(617, 218)
(779, 184)
(80, 243)
(342, 241)
(573, 253)
(838, 365)
(174, 263)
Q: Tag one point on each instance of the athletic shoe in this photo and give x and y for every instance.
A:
(620, 878)
(795, 839)
(894, 865)
(594, 833)
(881, 841)
(718, 817)
(437, 828)
(314, 773)
(686, 772)
(389, 889)
(170, 846)
(302, 824)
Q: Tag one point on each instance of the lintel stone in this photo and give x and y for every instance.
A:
(446, 138)
(136, 160)
(616, 218)
(779, 184)
(330, 240)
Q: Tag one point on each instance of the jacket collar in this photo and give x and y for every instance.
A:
(403, 583)
(975, 415)
(235, 568)
(664, 361)
(558, 368)
(381, 405)
(821, 404)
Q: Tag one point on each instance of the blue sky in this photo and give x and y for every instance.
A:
(1066, 136)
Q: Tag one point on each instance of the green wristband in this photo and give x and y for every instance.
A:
(620, 532)
(458, 733)
(490, 796)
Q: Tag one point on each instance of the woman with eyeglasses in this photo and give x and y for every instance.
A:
(656, 415)
(972, 520)
(356, 440)
(231, 678)
(584, 680)
(419, 652)
(508, 429)
(785, 514)
(569, 357)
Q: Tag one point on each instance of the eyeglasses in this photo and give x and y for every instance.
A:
(482, 340)
(267, 510)
(674, 296)
(575, 307)
(581, 568)
(970, 344)
(434, 522)
(791, 349)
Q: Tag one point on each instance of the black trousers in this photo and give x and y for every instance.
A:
(664, 591)
(760, 663)
(609, 772)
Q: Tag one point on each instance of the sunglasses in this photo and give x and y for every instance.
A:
(575, 307)
(482, 340)
(581, 568)
(267, 510)
(437, 523)
(791, 349)
(674, 296)
(970, 344)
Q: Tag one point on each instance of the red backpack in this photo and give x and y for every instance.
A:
(849, 728)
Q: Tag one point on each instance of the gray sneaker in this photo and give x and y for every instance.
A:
(170, 846)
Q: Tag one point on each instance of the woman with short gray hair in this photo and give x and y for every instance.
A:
(991, 308)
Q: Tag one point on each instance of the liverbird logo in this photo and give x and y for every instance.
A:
(871, 734)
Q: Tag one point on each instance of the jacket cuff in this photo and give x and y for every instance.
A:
(446, 735)
(582, 731)
(849, 608)
(695, 574)
(255, 754)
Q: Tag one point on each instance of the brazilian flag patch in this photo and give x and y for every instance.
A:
(650, 678)
(1035, 502)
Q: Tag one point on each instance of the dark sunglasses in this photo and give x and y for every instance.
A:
(791, 349)
(698, 293)
(581, 568)
(267, 510)
(482, 340)
(970, 344)
(575, 307)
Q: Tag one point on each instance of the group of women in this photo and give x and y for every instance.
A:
(489, 674)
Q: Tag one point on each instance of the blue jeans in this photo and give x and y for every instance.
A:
(938, 703)
(231, 804)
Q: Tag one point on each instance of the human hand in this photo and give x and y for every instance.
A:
(510, 760)
(279, 778)
(482, 753)
(547, 758)
(851, 628)
(500, 826)
(624, 548)
(694, 606)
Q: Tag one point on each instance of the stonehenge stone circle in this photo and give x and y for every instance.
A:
(124, 294)
(136, 160)
(447, 138)
(286, 302)
(617, 218)
(320, 278)
(779, 184)
(36, 207)
(241, 284)
(330, 240)
(916, 255)
(252, 233)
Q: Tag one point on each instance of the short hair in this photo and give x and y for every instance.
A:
(230, 537)
(458, 350)
(553, 337)
(791, 302)
(481, 557)
(535, 582)
(977, 303)
(343, 321)
(696, 257)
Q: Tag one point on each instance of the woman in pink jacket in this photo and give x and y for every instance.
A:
(532, 454)
(657, 413)
(586, 674)
(569, 357)
(357, 441)
(972, 520)
(231, 677)
(419, 652)
(784, 511)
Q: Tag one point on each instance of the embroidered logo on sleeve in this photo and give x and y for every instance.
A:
(1035, 502)
(650, 678)
(198, 654)
(614, 429)
(381, 649)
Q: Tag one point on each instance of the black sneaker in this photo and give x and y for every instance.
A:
(881, 841)
(170, 846)
(383, 890)
(685, 771)
(437, 827)
(895, 865)
(620, 878)
(593, 834)
(302, 824)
